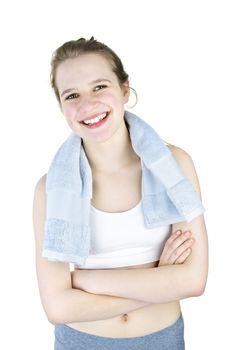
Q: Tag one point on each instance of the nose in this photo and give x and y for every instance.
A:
(87, 104)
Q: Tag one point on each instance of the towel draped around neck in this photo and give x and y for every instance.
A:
(167, 195)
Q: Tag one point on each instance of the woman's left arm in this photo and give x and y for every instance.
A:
(164, 283)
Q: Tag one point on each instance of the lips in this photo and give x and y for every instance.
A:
(93, 116)
(97, 124)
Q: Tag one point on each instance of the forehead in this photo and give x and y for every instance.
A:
(83, 69)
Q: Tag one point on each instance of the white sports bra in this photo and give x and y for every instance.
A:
(121, 239)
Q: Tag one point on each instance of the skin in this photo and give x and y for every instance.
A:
(176, 250)
(109, 144)
(109, 150)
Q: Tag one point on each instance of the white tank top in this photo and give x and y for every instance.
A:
(121, 239)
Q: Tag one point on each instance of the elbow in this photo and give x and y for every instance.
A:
(52, 320)
(53, 316)
(198, 288)
(55, 321)
(58, 316)
(196, 281)
(55, 312)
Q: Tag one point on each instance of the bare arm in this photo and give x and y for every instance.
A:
(74, 305)
(62, 303)
(176, 250)
(153, 285)
(165, 283)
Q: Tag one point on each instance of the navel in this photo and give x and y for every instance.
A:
(125, 317)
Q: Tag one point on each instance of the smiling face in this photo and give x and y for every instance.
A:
(89, 88)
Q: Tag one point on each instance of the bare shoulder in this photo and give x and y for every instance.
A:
(40, 184)
(39, 202)
(39, 213)
(179, 153)
(185, 161)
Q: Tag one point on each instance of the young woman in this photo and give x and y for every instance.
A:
(125, 304)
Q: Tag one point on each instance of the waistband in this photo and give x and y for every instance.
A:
(171, 337)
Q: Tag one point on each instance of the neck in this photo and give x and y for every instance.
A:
(112, 155)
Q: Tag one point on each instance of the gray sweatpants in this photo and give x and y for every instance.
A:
(169, 338)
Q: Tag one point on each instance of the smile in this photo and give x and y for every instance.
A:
(96, 119)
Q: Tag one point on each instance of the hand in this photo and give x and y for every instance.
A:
(177, 248)
(81, 279)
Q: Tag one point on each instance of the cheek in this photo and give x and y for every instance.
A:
(69, 113)
(112, 100)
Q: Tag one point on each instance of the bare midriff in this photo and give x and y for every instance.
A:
(125, 190)
(143, 321)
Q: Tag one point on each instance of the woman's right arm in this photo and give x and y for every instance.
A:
(61, 303)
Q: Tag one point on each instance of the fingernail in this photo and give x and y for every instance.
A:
(178, 232)
(188, 233)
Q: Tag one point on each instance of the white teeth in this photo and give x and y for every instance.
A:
(95, 120)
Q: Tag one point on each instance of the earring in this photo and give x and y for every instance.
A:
(135, 93)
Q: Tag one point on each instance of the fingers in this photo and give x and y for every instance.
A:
(176, 248)
(183, 256)
(181, 249)
(178, 238)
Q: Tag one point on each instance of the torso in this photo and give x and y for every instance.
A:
(116, 193)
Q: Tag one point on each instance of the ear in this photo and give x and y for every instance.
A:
(126, 91)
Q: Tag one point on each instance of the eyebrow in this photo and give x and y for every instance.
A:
(92, 82)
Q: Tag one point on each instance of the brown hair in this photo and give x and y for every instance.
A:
(75, 48)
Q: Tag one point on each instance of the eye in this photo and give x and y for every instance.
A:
(70, 97)
(101, 86)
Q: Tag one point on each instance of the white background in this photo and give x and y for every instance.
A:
(179, 58)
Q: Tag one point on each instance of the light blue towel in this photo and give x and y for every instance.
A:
(167, 195)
